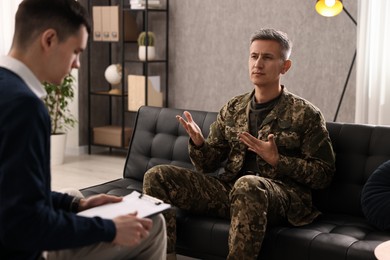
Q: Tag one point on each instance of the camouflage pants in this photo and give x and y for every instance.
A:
(251, 203)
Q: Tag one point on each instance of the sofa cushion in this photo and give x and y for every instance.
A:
(120, 187)
(376, 197)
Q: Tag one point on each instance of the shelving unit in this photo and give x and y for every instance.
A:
(106, 108)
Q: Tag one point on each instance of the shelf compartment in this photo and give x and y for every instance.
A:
(111, 135)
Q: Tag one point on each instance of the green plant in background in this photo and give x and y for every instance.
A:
(57, 102)
(142, 39)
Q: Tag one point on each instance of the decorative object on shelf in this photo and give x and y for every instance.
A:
(146, 41)
(329, 8)
(57, 102)
(113, 74)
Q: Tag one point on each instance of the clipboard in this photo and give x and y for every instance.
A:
(144, 205)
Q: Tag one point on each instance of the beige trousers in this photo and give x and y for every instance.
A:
(153, 247)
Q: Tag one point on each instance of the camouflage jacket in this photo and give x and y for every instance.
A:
(306, 159)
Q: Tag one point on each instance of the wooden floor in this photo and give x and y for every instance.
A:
(86, 170)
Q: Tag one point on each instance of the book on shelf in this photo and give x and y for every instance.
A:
(137, 92)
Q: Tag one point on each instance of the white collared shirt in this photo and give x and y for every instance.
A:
(25, 73)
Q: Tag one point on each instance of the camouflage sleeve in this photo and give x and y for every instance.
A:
(209, 156)
(316, 166)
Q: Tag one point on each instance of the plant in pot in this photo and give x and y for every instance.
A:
(57, 102)
(146, 40)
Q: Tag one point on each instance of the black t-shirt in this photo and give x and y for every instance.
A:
(257, 113)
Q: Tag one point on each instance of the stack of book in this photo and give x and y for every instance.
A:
(141, 4)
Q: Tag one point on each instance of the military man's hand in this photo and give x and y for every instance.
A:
(265, 149)
(192, 128)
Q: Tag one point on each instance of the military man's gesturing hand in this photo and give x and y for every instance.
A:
(192, 128)
(265, 149)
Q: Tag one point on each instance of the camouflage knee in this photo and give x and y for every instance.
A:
(154, 178)
(248, 185)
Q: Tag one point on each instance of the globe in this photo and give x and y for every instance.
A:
(113, 74)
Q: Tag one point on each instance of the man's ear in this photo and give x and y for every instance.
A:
(286, 66)
(48, 38)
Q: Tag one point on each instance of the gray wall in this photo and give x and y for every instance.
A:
(209, 48)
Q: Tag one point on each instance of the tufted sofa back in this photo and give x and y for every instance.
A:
(360, 149)
(160, 139)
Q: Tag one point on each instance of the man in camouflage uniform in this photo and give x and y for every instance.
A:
(277, 150)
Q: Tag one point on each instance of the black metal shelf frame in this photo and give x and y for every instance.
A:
(125, 7)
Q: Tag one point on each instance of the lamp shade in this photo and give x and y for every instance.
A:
(329, 7)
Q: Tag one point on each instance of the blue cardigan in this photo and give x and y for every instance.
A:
(32, 217)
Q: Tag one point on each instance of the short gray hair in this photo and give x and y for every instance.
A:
(274, 35)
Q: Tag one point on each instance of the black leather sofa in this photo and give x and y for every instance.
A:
(341, 232)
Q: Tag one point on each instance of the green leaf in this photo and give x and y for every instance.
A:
(57, 100)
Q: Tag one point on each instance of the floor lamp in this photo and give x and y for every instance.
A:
(331, 8)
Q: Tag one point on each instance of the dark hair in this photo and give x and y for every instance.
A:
(274, 35)
(35, 16)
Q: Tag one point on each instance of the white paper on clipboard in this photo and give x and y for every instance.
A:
(144, 205)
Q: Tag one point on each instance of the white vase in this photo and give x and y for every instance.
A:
(57, 149)
(142, 53)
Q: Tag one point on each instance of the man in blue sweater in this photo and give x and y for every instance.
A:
(36, 222)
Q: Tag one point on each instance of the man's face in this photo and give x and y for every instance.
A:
(265, 63)
(64, 56)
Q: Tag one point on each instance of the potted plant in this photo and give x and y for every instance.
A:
(146, 40)
(57, 102)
